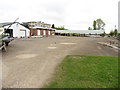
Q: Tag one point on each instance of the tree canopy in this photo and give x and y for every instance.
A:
(94, 25)
(59, 28)
(89, 28)
(100, 24)
(114, 33)
(53, 26)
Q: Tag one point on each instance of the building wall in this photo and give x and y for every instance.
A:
(41, 32)
(39, 24)
(34, 32)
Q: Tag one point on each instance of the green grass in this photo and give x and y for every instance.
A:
(86, 72)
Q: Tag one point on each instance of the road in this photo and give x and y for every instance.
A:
(30, 62)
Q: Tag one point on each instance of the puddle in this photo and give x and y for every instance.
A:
(68, 43)
(23, 56)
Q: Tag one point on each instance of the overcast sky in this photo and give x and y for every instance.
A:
(73, 14)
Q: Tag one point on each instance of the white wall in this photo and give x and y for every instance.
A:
(24, 28)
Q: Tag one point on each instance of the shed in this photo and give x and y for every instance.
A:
(17, 30)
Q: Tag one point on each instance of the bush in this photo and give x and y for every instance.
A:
(112, 33)
(103, 34)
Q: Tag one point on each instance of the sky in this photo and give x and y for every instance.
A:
(72, 14)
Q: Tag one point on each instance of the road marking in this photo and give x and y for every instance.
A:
(52, 47)
(23, 56)
(67, 43)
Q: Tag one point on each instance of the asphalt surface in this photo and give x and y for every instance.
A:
(30, 62)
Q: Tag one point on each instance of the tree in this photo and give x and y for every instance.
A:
(103, 34)
(53, 26)
(61, 28)
(94, 25)
(100, 24)
(115, 32)
(89, 28)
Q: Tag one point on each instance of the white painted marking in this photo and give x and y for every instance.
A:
(67, 43)
(52, 47)
(22, 56)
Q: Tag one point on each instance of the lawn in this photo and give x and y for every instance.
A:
(78, 71)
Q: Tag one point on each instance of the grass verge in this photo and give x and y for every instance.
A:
(78, 71)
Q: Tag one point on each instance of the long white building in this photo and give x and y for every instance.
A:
(92, 32)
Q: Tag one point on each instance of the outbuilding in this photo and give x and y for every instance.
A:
(17, 30)
(42, 31)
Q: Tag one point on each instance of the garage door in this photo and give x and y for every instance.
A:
(48, 32)
(44, 32)
(22, 33)
(38, 32)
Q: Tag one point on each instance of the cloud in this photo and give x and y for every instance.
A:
(74, 14)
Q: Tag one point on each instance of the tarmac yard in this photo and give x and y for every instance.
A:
(30, 62)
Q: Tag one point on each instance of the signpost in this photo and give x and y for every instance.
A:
(119, 17)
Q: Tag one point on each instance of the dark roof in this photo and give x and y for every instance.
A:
(6, 24)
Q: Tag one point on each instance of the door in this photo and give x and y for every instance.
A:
(48, 32)
(44, 32)
(38, 32)
(10, 31)
(41, 32)
(35, 33)
(22, 33)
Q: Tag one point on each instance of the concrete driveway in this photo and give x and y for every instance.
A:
(30, 62)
